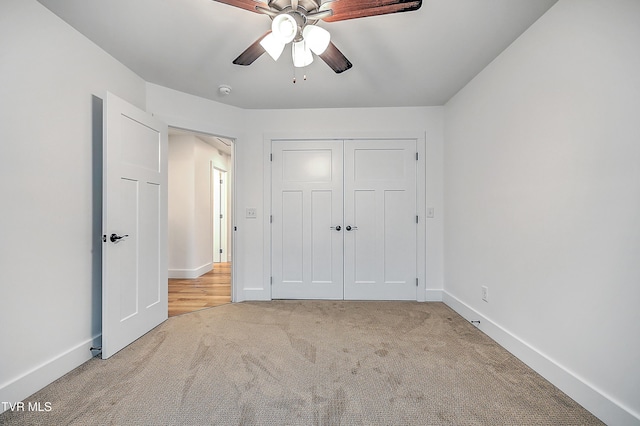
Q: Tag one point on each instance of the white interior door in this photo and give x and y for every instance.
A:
(380, 220)
(344, 220)
(221, 225)
(217, 216)
(307, 240)
(134, 255)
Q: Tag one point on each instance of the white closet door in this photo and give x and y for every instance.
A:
(380, 219)
(307, 209)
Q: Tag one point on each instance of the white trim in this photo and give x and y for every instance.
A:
(597, 402)
(264, 293)
(189, 274)
(433, 295)
(37, 378)
(236, 293)
(214, 129)
(257, 294)
(421, 207)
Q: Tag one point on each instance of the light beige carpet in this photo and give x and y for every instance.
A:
(308, 363)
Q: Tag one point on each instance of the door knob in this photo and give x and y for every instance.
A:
(337, 228)
(349, 228)
(115, 238)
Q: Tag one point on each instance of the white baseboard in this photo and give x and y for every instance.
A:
(32, 381)
(433, 295)
(256, 294)
(188, 274)
(602, 406)
(598, 403)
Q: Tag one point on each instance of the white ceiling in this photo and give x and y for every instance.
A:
(415, 58)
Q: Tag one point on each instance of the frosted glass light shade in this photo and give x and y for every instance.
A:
(301, 54)
(284, 27)
(317, 38)
(272, 45)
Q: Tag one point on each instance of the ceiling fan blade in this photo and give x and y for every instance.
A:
(252, 52)
(352, 9)
(335, 59)
(245, 4)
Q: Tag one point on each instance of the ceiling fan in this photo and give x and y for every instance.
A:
(294, 21)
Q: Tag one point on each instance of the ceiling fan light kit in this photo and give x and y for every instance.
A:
(301, 54)
(272, 45)
(284, 27)
(295, 21)
(317, 38)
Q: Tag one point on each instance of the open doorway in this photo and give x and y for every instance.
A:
(219, 183)
(200, 243)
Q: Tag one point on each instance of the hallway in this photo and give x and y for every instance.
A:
(209, 290)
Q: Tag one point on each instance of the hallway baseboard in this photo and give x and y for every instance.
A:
(188, 274)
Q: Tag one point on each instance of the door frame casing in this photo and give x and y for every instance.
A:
(233, 136)
(421, 194)
(224, 208)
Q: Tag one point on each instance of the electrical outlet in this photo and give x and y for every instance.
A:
(431, 212)
(251, 213)
(485, 293)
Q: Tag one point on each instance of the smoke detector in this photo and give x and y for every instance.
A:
(224, 89)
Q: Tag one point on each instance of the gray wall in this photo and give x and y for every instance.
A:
(50, 288)
(542, 199)
(537, 165)
(250, 129)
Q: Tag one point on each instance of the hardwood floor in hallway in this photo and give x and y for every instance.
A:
(209, 290)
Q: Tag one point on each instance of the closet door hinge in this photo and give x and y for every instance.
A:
(417, 219)
(417, 155)
(270, 218)
(416, 282)
(270, 157)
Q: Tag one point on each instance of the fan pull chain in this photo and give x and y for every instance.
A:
(304, 76)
